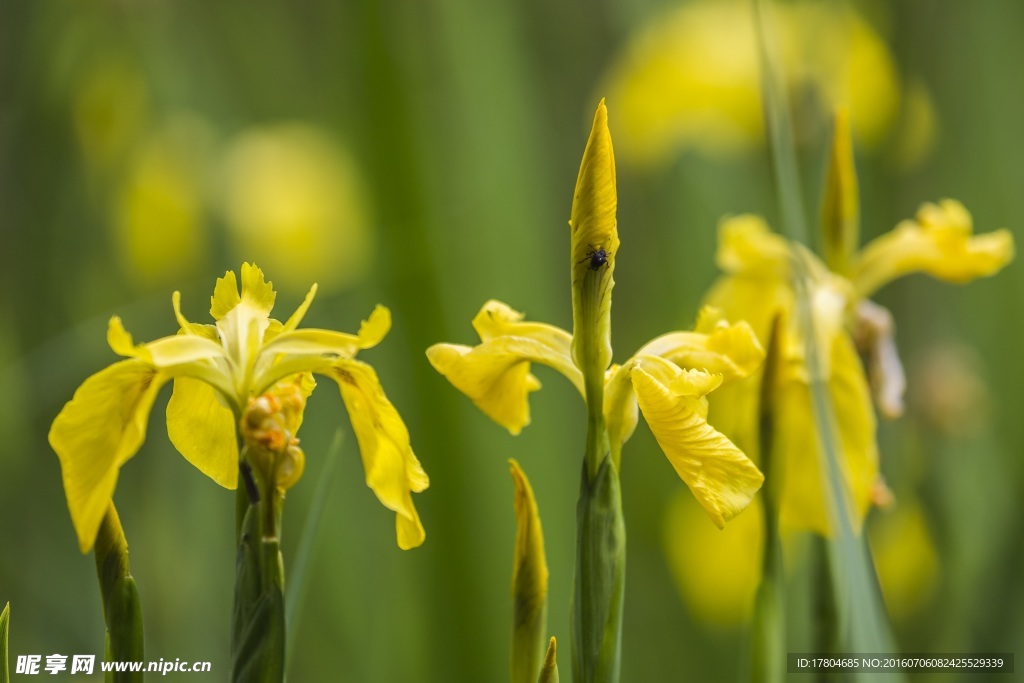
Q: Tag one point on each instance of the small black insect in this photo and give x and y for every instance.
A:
(597, 258)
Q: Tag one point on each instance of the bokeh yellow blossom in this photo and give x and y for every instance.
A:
(690, 77)
(294, 200)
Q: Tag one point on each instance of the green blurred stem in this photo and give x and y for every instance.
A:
(860, 621)
(780, 128)
(768, 646)
(258, 636)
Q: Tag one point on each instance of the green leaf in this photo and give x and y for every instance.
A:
(298, 574)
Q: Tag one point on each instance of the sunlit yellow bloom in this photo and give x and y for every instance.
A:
(689, 78)
(217, 370)
(757, 286)
(668, 379)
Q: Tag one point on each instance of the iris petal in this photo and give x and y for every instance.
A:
(391, 467)
(939, 242)
(96, 432)
(721, 477)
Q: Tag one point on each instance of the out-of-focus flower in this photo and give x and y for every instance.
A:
(690, 77)
(905, 557)
(294, 200)
(717, 571)
(247, 374)
(758, 286)
(160, 208)
(949, 393)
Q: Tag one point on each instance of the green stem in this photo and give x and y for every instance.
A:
(599, 585)
(122, 609)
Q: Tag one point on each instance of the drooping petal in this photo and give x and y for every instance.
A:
(96, 432)
(496, 374)
(392, 470)
(203, 430)
(939, 242)
(721, 477)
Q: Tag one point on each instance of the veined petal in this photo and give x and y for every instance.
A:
(496, 374)
(301, 350)
(746, 245)
(392, 470)
(242, 320)
(939, 242)
(204, 430)
(721, 477)
(96, 432)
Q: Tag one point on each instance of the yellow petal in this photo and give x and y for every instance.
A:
(495, 375)
(939, 242)
(166, 353)
(203, 430)
(746, 245)
(97, 432)
(796, 441)
(392, 470)
(301, 350)
(300, 312)
(716, 346)
(721, 477)
(205, 331)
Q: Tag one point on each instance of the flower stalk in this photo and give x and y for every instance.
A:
(529, 584)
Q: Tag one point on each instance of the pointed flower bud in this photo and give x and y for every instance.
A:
(529, 583)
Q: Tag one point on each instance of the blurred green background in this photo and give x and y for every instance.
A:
(423, 155)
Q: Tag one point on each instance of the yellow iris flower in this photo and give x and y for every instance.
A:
(217, 371)
(667, 380)
(758, 286)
